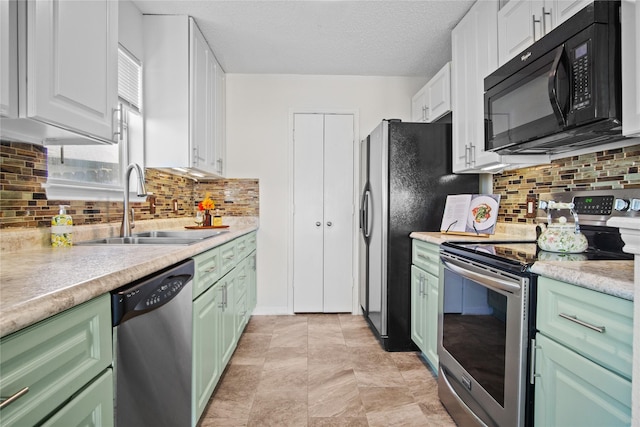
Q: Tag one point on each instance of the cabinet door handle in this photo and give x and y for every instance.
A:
(119, 113)
(599, 329)
(6, 401)
(329, 224)
(544, 20)
(209, 270)
(534, 20)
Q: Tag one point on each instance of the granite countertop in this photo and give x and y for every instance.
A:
(38, 282)
(609, 277)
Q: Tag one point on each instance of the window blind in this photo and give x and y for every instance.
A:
(129, 79)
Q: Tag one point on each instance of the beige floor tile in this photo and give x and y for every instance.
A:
(338, 422)
(333, 392)
(278, 412)
(322, 370)
(382, 376)
(385, 398)
(408, 415)
(329, 354)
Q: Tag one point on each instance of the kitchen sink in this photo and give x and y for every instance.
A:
(158, 238)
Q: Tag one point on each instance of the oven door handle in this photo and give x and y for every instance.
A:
(482, 276)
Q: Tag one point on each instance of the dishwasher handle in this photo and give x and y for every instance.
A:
(150, 293)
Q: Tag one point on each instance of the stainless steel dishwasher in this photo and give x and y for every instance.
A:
(152, 349)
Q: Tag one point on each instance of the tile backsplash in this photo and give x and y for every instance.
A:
(601, 170)
(23, 202)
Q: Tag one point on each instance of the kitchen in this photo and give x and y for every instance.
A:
(265, 100)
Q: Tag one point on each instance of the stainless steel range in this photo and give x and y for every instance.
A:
(487, 311)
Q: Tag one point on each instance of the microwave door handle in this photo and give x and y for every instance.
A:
(553, 92)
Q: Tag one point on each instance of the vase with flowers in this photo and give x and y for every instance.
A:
(206, 205)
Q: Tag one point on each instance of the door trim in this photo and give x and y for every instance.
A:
(355, 307)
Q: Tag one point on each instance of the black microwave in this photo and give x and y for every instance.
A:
(562, 93)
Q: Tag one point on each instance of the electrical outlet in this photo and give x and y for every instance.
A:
(174, 204)
(532, 204)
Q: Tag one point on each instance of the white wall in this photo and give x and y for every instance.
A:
(258, 108)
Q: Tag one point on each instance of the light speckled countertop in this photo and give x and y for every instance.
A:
(609, 277)
(37, 282)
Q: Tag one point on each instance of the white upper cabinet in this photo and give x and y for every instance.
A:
(630, 16)
(522, 22)
(434, 99)
(184, 97)
(60, 65)
(8, 59)
(474, 56)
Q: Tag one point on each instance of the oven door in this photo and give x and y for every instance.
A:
(482, 343)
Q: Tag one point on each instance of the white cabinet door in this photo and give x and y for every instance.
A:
(184, 104)
(323, 212)
(8, 59)
(220, 136)
(562, 10)
(419, 105)
(630, 16)
(201, 87)
(522, 22)
(439, 94)
(72, 60)
(519, 25)
(474, 56)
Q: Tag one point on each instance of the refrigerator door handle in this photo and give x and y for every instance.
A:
(367, 230)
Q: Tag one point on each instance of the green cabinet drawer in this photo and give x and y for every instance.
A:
(54, 358)
(228, 256)
(93, 406)
(252, 242)
(242, 248)
(596, 325)
(208, 270)
(571, 390)
(426, 256)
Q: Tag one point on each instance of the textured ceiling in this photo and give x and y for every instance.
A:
(331, 37)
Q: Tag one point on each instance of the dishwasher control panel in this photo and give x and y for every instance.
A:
(149, 293)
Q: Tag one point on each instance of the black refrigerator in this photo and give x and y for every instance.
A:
(405, 177)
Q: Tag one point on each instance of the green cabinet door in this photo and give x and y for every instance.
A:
(418, 300)
(571, 390)
(206, 349)
(228, 337)
(92, 407)
(252, 286)
(431, 320)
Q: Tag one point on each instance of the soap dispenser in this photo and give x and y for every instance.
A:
(62, 228)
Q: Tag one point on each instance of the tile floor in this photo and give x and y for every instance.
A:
(322, 370)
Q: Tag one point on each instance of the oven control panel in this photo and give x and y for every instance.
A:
(592, 207)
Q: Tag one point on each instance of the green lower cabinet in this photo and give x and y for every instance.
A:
(92, 407)
(206, 349)
(571, 390)
(418, 308)
(55, 358)
(252, 291)
(228, 335)
(424, 313)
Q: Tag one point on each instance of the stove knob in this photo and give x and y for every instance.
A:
(621, 204)
(635, 205)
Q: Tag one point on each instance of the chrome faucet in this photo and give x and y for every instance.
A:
(125, 228)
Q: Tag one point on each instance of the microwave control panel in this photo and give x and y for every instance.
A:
(580, 73)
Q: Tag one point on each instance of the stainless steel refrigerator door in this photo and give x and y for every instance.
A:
(364, 223)
(378, 218)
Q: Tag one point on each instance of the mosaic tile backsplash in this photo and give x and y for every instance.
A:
(601, 170)
(23, 202)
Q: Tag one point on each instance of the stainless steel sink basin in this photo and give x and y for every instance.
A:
(181, 234)
(158, 238)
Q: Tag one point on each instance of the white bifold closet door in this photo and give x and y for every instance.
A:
(323, 213)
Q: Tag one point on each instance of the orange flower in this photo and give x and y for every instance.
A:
(206, 204)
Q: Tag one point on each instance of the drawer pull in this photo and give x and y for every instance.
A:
(575, 319)
(6, 401)
(209, 270)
